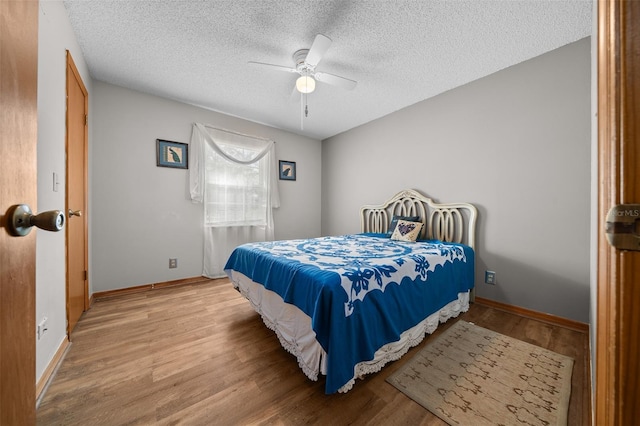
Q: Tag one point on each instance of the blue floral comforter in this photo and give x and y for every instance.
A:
(361, 291)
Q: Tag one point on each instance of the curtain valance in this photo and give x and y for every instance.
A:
(219, 140)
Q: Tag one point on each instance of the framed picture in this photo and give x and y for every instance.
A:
(287, 170)
(172, 154)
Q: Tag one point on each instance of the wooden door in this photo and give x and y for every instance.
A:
(617, 389)
(18, 140)
(77, 259)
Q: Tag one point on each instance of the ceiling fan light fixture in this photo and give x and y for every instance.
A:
(305, 84)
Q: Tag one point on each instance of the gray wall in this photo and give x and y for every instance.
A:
(517, 145)
(141, 215)
(55, 37)
(593, 310)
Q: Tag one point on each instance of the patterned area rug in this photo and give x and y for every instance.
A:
(473, 376)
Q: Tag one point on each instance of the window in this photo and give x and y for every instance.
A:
(234, 177)
(236, 194)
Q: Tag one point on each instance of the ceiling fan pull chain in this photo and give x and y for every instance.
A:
(306, 107)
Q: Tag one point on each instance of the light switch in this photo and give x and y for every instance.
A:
(55, 182)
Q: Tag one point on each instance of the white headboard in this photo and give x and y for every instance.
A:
(452, 222)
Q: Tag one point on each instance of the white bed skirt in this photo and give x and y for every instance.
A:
(293, 328)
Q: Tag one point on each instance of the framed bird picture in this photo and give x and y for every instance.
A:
(172, 154)
(287, 170)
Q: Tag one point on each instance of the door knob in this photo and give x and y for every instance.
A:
(20, 219)
(75, 213)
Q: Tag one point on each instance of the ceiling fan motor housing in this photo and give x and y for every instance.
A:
(299, 58)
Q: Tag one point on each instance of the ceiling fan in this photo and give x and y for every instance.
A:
(306, 61)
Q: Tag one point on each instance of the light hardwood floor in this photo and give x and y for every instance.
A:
(199, 354)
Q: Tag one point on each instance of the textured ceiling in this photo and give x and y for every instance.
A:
(400, 52)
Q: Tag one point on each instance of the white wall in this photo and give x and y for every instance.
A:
(141, 214)
(593, 310)
(517, 145)
(54, 38)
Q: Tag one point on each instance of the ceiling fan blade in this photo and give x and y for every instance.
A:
(335, 80)
(318, 49)
(275, 67)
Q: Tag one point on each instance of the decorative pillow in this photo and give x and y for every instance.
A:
(406, 231)
(395, 219)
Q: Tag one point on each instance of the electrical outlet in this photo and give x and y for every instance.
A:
(42, 327)
(173, 263)
(490, 277)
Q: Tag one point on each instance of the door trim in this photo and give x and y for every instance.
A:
(617, 390)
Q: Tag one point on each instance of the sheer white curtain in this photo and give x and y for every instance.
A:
(235, 177)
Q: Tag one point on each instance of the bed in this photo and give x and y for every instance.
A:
(347, 305)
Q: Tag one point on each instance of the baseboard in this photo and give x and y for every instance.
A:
(540, 316)
(147, 287)
(48, 372)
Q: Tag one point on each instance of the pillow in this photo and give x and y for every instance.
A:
(395, 219)
(406, 231)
